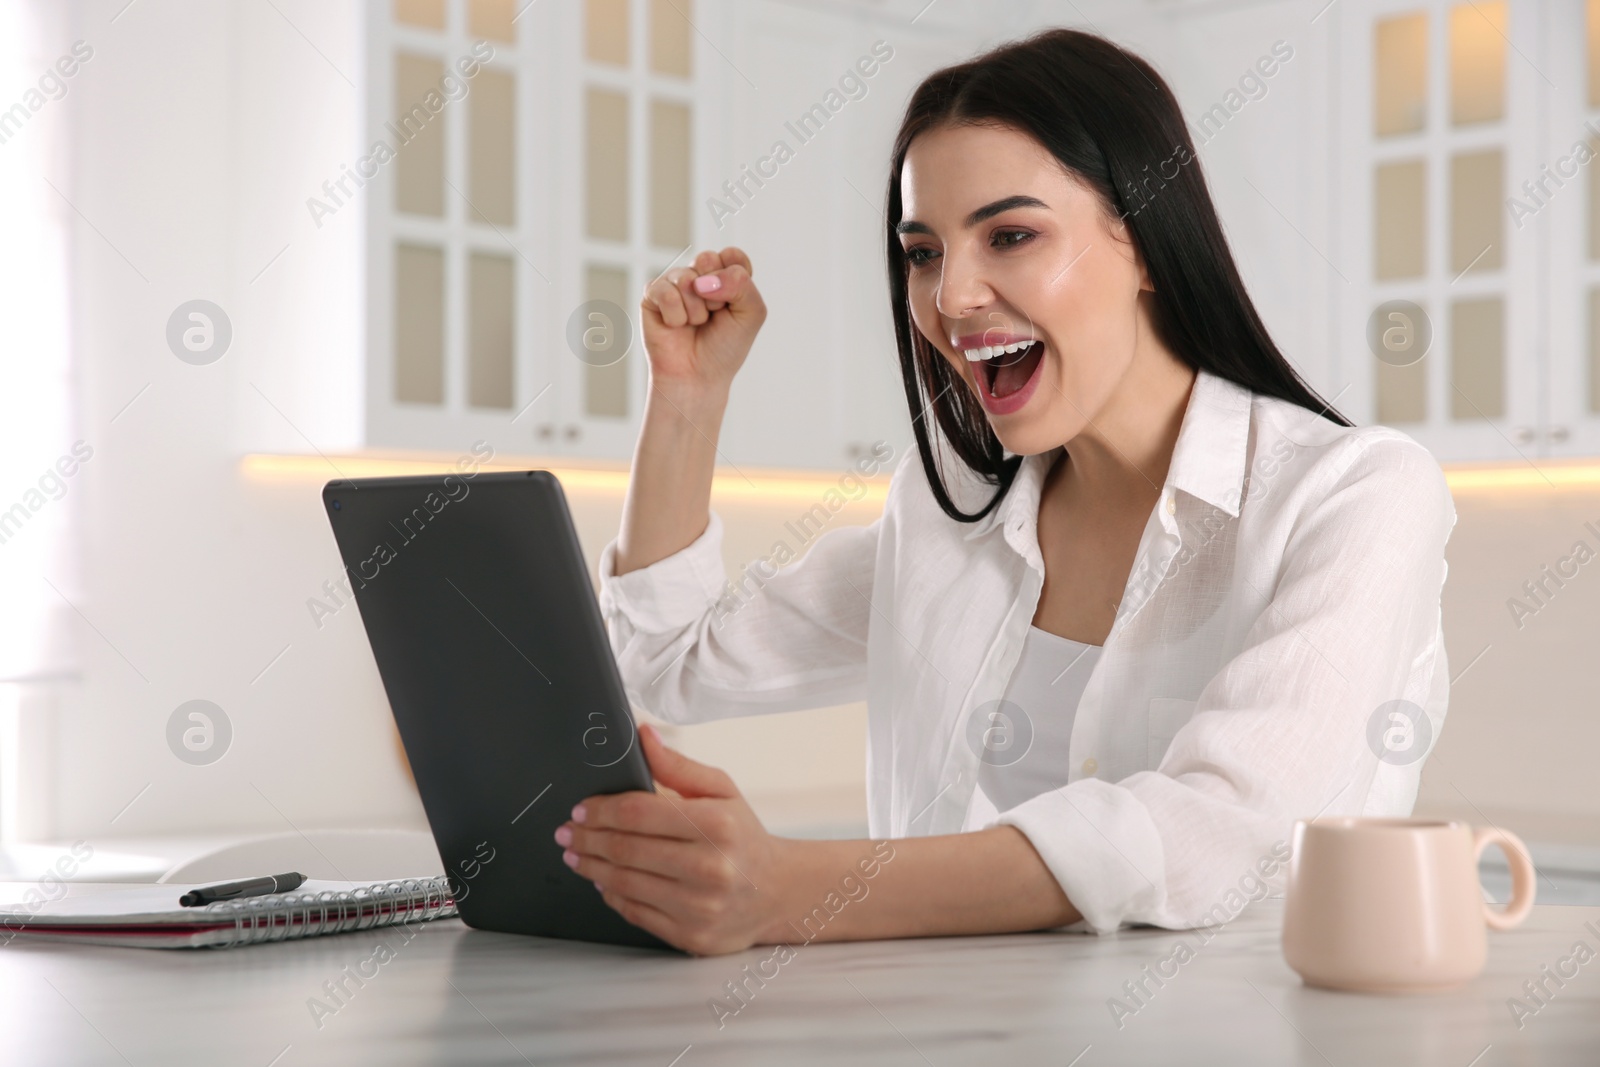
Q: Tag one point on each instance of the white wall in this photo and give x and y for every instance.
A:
(201, 128)
(1520, 739)
(38, 572)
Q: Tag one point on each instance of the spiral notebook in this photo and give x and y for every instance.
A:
(149, 916)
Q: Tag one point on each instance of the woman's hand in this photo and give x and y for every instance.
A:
(692, 865)
(699, 322)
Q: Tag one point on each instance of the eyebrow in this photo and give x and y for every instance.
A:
(988, 211)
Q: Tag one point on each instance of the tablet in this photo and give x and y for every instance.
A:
(483, 622)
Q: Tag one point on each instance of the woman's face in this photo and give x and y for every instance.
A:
(1004, 245)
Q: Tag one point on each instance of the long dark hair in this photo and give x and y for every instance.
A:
(1111, 120)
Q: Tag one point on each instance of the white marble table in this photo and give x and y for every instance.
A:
(450, 995)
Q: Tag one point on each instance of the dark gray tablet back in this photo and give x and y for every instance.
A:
(484, 626)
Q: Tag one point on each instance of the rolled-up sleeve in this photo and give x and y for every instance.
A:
(1281, 732)
(692, 646)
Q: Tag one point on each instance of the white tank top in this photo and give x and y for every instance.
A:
(1026, 739)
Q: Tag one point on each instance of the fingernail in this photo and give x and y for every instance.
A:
(563, 835)
(598, 888)
(579, 813)
(707, 283)
(570, 858)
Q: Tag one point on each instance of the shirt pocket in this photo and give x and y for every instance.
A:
(1166, 717)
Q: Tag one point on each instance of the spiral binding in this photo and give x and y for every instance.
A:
(290, 916)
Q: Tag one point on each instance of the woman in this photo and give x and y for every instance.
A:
(1140, 601)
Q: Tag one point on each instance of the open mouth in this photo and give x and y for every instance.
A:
(1005, 375)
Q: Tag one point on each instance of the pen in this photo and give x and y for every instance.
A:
(250, 887)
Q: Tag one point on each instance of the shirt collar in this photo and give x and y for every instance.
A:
(1208, 462)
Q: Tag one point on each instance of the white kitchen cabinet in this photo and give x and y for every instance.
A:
(1451, 118)
(619, 158)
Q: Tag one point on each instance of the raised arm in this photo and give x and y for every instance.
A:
(688, 649)
(698, 325)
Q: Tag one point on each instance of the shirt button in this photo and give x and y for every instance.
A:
(1090, 766)
(1172, 505)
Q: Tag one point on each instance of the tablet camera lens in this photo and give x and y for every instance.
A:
(337, 505)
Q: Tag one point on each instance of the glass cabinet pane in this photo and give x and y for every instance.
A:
(1475, 211)
(1400, 61)
(1477, 359)
(670, 51)
(1402, 392)
(669, 174)
(1594, 350)
(1593, 167)
(606, 31)
(1400, 220)
(1594, 52)
(492, 19)
(1477, 62)
(492, 326)
(492, 157)
(606, 164)
(605, 384)
(419, 162)
(429, 14)
(418, 324)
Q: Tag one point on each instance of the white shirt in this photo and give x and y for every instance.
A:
(1025, 739)
(1285, 592)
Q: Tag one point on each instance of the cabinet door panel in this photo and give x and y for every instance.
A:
(788, 218)
(1440, 119)
(1560, 205)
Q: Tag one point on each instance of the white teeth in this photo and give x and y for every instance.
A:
(975, 355)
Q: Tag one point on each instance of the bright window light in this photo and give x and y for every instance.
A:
(35, 399)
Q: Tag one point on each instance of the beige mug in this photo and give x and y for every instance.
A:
(1395, 905)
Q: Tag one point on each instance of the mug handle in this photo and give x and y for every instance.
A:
(1523, 881)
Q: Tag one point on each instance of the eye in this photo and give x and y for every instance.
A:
(1000, 239)
(918, 256)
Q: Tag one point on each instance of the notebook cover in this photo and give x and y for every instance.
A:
(149, 916)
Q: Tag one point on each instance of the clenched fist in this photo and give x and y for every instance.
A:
(700, 321)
